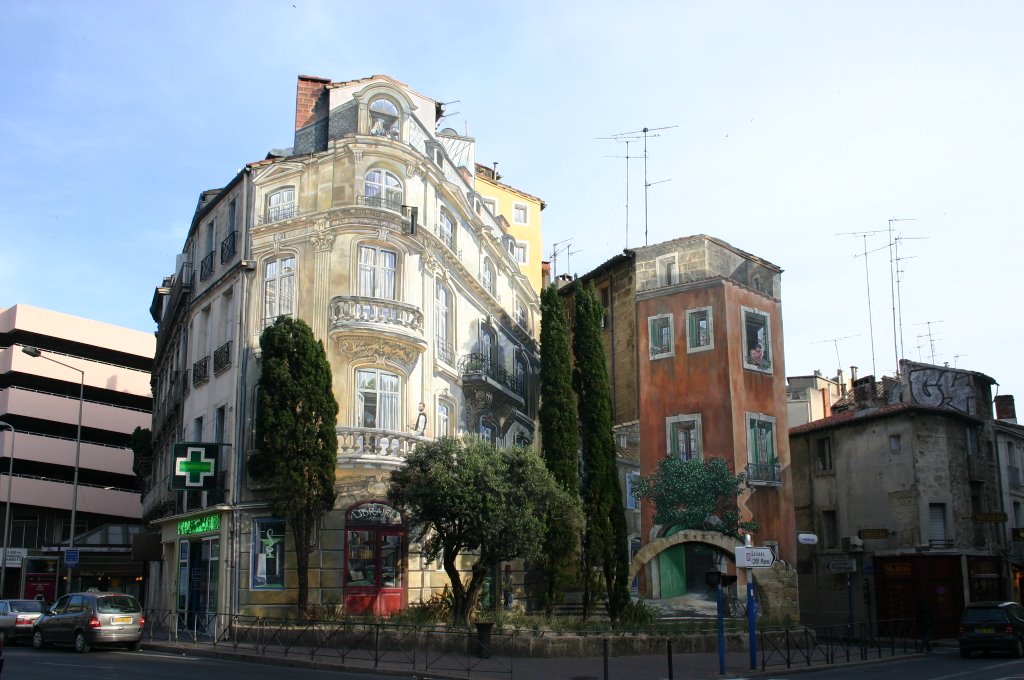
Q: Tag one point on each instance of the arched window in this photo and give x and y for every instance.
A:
(278, 289)
(488, 346)
(443, 337)
(384, 121)
(382, 189)
(487, 276)
(446, 229)
(377, 399)
(280, 205)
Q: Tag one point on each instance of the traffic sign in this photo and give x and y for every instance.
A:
(755, 557)
(71, 557)
(842, 566)
(14, 557)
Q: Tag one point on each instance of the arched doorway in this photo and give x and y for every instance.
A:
(682, 566)
(375, 559)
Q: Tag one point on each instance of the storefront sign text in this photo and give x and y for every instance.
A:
(199, 525)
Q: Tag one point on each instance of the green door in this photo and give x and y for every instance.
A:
(672, 567)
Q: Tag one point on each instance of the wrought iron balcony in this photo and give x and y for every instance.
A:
(206, 266)
(222, 358)
(763, 474)
(200, 371)
(477, 366)
(448, 239)
(374, 448)
(278, 213)
(444, 351)
(379, 202)
(227, 247)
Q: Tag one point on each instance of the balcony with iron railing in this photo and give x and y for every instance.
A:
(447, 237)
(278, 213)
(444, 350)
(200, 371)
(362, 315)
(379, 202)
(206, 266)
(222, 358)
(763, 473)
(479, 367)
(227, 247)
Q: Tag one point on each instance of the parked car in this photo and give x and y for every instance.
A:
(991, 626)
(91, 618)
(17, 617)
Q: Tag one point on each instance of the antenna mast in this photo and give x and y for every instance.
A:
(554, 255)
(867, 282)
(627, 141)
(931, 338)
(646, 133)
(897, 329)
(835, 342)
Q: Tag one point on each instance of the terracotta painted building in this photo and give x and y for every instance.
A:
(694, 341)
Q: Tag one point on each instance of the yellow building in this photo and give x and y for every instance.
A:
(519, 213)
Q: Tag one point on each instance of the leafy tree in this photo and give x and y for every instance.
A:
(605, 539)
(469, 497)
(296, 416)
(695, 494)
(560, 440)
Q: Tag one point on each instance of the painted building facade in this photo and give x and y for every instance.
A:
(693, 338)
(105, 382)
(519, 215)
(372, 230)
(901, 488)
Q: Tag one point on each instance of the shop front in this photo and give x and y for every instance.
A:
(375, 559)
(904, 582)
(197, 549)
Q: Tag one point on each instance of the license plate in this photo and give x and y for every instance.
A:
(984, 630)
(121, 619)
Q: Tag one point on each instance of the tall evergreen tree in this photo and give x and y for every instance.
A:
(296, 416)
(560, 440)
(605, 538)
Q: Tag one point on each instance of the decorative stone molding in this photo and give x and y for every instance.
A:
(322, 238)
(382, 351)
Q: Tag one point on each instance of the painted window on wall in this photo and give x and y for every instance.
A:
(757, 341)
(684, 436)
(278, 289)
(268, 554)
(661, 340)
(699, 331)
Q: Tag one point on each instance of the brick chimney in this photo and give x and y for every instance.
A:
(310, 100)
(1005, 409)
(864, 392)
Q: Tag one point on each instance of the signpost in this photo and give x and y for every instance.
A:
(755, 557)
(842, 566)
(71, 558)
(14, 557)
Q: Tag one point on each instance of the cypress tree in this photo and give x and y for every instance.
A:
(605, 538)
(559, 428)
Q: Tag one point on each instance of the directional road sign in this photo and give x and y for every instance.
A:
(842, 566)
(754, 557)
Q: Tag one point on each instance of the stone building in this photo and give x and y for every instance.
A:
(900, 484)
(694, 345)
(1009, 446)
(371, 229)
(72, 391)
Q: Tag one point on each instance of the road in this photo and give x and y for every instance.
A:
(112, 664)
(944, 664)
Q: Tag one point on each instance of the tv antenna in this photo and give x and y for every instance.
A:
(445, 114)
(627, 140)
(835, 343)
(646, 132)
(554, 255)
(931, 337)
(895, 242)
(569, 252)
(897, 330)
(955, 357)
(867, 282)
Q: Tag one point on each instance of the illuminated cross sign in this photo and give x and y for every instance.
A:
(195, 466)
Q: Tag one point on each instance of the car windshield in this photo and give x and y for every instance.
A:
(983, 614)
(117, 604)
(27, 606)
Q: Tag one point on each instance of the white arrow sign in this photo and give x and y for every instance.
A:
(755, 557)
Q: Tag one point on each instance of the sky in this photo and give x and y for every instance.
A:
(806, 133)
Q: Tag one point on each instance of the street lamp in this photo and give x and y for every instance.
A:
(34, 352)
(7, 511)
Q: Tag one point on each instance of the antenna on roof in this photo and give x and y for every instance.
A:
(867, 282)
(895, 254)
(646, 132)
(931, 338)
(835, 342)
(554, 255)
(627, 140)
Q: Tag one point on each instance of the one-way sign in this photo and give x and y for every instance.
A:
(842, 566)
(754, 557)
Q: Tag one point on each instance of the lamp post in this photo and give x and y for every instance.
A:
(35, 352)
(7, 511)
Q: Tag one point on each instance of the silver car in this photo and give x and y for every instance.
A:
(17, 617)
(91, 618)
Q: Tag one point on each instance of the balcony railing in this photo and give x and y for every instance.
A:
(448, 239)
(227, 247)
(350, 309)
(277, 213)
(200, 371)
(222, 358)
(1013, 475)
(206, 266)
(374, 446)
(445, 351)
(186, 382)
(379, 202)
(477, 364)
(763, 474)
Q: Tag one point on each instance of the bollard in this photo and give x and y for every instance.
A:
(670, 660)
(605, 648)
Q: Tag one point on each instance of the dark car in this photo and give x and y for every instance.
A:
(992, 626)
(91, 618)
(17, 617)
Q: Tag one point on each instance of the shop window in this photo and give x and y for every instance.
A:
(268, 553)
(374, 548)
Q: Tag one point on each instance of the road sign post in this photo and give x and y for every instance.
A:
(71, 557)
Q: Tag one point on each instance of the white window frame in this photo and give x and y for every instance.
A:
(446, 228)
(520, 251)
(279, 277)
(668, 270)
(392, 131)
(444, 420)
(280, 205)
(515, 213)
(691, 422)
(750, 362)
(652, 347)
(384, 415)
(490, 203)
(373, 276)
(489, 276)
(390, 196)
(691, 329)
(444, 319)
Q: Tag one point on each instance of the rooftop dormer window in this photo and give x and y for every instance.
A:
(384, 118)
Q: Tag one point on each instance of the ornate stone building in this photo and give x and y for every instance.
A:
(371, 230)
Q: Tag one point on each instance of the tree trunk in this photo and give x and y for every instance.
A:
(302, 550)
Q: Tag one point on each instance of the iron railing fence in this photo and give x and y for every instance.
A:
(840, 643)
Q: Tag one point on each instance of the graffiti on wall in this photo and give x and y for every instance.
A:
(942, 388)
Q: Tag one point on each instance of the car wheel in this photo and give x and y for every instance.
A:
(1018, 648)
(37, 639)
(82, 645)
(135, 646)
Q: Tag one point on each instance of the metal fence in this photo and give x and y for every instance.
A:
(812, 645)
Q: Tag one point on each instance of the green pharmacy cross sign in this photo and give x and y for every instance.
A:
(195, 466)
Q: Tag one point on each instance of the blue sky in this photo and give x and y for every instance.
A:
(794, 122)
